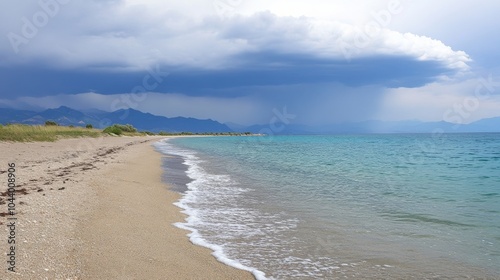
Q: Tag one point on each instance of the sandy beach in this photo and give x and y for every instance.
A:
(96, 209)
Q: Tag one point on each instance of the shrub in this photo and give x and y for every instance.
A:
(164, 133)
(89, 126)
(126, 128)
(119, 129)
(113, 129)
(49, 123)
(147, 132)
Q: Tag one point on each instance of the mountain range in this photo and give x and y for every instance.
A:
(374, 126)
(101, 119)
(146, 121)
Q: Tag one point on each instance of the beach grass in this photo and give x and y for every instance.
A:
(35, 133)
(51, 132)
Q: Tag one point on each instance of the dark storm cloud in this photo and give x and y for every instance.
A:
(262, 69)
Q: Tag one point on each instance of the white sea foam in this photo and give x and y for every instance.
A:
(240, 235)
(194, 195)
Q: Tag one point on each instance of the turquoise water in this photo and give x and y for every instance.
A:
(334, 207)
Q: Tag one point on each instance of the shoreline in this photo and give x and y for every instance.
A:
(98, 209)
(180, 163)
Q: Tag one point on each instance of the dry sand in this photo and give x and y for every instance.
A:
(97, 209)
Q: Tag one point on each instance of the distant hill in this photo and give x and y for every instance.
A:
(100, 119)
(484, 125)
(146, 121)
(154, 123)
(12, 115)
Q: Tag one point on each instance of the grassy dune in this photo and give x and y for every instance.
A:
(50, 133)
(28, 133)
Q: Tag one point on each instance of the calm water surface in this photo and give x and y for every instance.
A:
(335, 207)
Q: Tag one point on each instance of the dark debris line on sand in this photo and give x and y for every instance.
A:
(66, 171)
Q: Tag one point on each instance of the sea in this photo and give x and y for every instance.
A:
(378, 206)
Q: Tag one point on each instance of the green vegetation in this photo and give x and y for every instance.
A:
(49, 133)
(113, 130)
(119, 129)
(187, 133)
(126, 128)
(147, 133)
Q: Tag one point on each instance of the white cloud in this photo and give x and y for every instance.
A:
(124, 35)
(465, 24)
(458, 102)
(331, 39)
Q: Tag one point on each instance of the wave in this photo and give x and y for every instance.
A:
(195, 195)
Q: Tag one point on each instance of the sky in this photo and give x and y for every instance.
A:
(241, 61)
